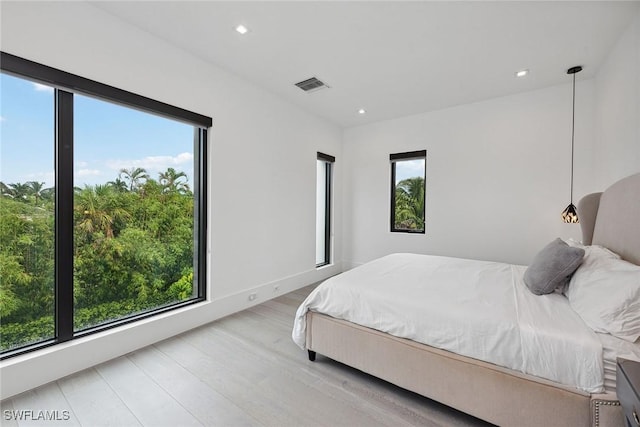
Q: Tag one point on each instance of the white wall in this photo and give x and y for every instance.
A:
(618, 110)
(262, 172)
(497, 176)
(497, 171)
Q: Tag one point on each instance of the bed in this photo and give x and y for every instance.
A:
(530, 361)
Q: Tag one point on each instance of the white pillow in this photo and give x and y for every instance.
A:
(597, 250)
(592, 253)
(605, 292)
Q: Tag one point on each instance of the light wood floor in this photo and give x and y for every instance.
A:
(243, 370)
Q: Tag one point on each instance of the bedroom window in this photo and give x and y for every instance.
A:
(408, 174)
(103, 206)
(324, 169)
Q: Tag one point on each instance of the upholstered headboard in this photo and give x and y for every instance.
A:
(612, 218)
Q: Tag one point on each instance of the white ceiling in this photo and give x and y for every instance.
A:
(391, 58)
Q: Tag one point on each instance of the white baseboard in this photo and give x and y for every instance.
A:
(27, 371)
(233, 303)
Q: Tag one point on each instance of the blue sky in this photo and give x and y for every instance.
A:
(409, 169)
(107, 137)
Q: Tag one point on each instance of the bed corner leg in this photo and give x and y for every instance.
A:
(312, 355)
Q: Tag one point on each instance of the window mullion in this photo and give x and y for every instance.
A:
(64, 215)
(392, 217)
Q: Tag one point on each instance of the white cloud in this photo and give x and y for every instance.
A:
(42, 88)
(152, 163)
(409, 168)
(48, 178)
(82, 164)
(88, 172)
(2, 119)
(412, 165)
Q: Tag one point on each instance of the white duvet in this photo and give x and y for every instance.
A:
(478, 309)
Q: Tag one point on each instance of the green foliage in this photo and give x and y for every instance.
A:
(24, 333)
(133, 252)
(409, 209)
(183, 288)
(26, 260)
(13, 276)
(87, 317)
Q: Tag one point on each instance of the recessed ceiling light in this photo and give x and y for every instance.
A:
(522, 73)
(362, 111)
(242, 29)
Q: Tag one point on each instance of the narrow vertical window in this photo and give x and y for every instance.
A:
(324, 169)
(408, 174)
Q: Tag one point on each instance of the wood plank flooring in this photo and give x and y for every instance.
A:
(243, 370)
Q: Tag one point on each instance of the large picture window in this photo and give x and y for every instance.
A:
(408, 175)
(102, 206)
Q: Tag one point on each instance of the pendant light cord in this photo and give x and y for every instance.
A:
(573, 126)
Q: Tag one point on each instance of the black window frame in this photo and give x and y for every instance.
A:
(328, 161)
(393, 159)
(65, 86)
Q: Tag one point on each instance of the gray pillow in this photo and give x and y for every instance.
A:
(552, 267)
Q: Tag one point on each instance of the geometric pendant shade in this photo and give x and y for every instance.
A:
(570, 215)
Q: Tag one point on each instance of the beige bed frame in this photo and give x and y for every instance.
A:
(492, 393)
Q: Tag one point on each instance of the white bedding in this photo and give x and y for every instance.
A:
(612, 348)
(478, 309)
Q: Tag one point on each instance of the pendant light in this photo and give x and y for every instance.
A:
(570, 215)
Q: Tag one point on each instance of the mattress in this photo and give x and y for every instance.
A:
(477, 309)
(613, 348)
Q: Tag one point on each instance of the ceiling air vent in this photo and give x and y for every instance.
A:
(311, 85)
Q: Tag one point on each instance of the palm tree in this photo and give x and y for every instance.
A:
(96, 210)
(48, 194)
(134, 176)
(5, 190)
(20, 191)
(171, 181)
(409, 209)
(118, 185)
(36, 189)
